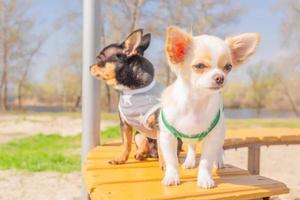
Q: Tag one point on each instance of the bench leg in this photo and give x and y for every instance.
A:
(254, 159)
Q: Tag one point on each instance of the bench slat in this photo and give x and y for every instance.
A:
(142, 180)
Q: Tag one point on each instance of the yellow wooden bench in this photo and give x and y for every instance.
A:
(253, 139)
(142, 180)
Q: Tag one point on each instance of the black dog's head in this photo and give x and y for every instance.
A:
(123, 65)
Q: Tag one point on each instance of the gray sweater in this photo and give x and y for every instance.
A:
(136, 106)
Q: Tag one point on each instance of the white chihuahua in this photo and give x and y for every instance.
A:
(192, 107)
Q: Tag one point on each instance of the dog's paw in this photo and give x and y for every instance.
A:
(171, 178)
(205, 180)
(140, 156)
(219, 163)
(189, 163)
(116, 162)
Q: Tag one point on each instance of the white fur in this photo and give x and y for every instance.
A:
(216, 47)
(197, 106)
(192, 101)
(190, 160)
(193, 122)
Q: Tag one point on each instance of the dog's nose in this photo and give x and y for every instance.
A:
(219, 78)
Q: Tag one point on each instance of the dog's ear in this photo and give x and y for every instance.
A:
(146, 39)
(177, 44)
(242, 47)
(132, 42)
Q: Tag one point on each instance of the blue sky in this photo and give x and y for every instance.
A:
(49, 12)
(259, 17)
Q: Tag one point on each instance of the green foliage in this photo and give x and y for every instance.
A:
(110, 134)
(57, 153)
(234, 94)
(61, 84)
(42, 152)
(263, 81)
(47, 152)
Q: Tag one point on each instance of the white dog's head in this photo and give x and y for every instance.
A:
(204, 61)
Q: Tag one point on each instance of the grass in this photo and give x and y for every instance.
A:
(47, 152)
(41, 152)
(57, 153)
(110, 133)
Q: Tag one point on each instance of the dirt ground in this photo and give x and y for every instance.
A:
(16, 185)
(13, 127)
(278, 162)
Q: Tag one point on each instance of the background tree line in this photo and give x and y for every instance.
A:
(270, 85)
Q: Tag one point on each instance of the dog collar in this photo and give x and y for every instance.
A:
(140, 90)
(198, 136)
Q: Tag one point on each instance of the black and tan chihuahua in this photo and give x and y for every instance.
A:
(124, 67)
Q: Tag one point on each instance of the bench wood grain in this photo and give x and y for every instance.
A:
(142, 180)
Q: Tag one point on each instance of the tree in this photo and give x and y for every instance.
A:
(199, 17)
(29, 52)
(288, 64)
(235, 94)
(262, 81)
(120, 17)
(113, 31)
(17, 47)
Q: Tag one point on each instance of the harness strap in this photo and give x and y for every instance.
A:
(199, 136)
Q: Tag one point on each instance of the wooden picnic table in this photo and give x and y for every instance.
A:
(142, 180)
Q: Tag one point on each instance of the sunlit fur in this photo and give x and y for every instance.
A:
(177, 45)
(191, 103)
(123, 66)
(106, 72)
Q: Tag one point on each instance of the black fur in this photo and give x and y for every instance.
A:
(144, 44)
(108, 53)
(134, 72)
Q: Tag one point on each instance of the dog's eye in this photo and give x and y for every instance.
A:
(101, 64)
(199, 66)
(227, 67)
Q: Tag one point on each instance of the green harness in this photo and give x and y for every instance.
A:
(198, 136)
